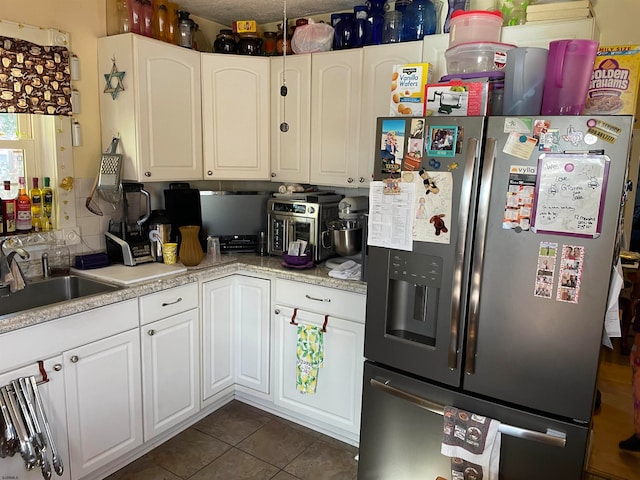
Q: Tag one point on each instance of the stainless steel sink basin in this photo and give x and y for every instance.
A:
(51, 291)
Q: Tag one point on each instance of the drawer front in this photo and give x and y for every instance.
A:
(168, 302)
(322, 300)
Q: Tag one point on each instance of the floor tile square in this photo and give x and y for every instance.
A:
(188, 452)
(142, 469)
(237, 465)
(324, 460)
(277, 442)
(234, 422)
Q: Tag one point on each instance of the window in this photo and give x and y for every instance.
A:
(17, 149)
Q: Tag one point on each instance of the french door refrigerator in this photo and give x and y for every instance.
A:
(498, 304)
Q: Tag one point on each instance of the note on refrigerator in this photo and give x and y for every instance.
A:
(391, 216)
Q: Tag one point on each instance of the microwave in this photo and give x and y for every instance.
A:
(291, 220)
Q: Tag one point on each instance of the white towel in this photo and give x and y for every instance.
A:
(473, 443)
(348, 270)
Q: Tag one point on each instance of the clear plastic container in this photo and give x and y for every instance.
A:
(59, 260)
(477, 57)
(475, 26)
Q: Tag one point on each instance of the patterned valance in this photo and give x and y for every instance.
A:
(34, 78)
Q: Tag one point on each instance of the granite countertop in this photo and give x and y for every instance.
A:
(240, 263)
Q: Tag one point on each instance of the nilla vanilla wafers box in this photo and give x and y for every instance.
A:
(407, 89)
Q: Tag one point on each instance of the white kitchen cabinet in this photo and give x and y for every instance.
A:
(104, 401)
(157, 114)
(378, 65)
(336, 81)
(170, 359)
(538, 35)
(336, 404)
(52, 393)
(290, 150)
(217, 339)
(235, 117)
(252, 337)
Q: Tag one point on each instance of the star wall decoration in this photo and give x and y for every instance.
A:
(110, 77)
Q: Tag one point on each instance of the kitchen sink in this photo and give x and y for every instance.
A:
(50, 291)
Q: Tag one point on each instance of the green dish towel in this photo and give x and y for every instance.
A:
(309, 357)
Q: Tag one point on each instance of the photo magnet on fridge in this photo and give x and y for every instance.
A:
(442, 141)
(391, 136)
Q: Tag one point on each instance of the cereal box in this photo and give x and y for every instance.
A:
(407, 89)
(614, 82)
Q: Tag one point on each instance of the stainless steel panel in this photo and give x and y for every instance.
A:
(400, 439)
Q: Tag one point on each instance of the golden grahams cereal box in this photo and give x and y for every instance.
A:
(614, 83)
(407, 89)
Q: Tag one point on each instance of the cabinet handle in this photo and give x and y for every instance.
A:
(318, 299)
(209, 172)
(74, 359)
(166, 304)
(277, 311)
(151, 332)
(147, 174)
(57, 367)
(361, 179)
(273, 174)
(349, 180)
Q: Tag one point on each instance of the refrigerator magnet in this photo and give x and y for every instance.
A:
(545, 269)
(549, 141)
(570, 193)
(603, 130)
(520, 194)
(441, 141)
(392, 136)
(413, 157)
(433, 205)
(520, 145)
(517, 125)
(573, 136)
(570, 273)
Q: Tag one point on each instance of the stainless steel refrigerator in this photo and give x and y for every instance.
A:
(500, 313)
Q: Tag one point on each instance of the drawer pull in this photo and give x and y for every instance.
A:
(74, 359)
(151, 332)
(317, 299)
(166, 304)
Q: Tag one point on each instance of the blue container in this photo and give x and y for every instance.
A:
(361, 13)
(345, 32)
(376, 22)
(419, 20)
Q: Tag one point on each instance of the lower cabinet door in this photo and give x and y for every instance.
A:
(104, 401)
(170, 371)
(52, 393)
(337, 398)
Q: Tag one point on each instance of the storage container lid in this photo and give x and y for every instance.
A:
(470, 13)
(478, 46)
(492, 76)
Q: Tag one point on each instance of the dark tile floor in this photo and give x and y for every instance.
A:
(238, 442)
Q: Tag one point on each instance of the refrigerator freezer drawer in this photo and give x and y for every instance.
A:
(400, 437)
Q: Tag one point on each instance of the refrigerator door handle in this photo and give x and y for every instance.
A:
(463, 221)
(552, 438)
(478, 259)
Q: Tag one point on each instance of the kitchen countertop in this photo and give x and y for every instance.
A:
(240, 263)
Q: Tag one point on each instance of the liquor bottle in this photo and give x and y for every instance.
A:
(35, 195)
(23, 208)
(47, 205)
(8, 209)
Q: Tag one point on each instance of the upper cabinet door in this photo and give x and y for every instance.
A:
(290, 150)
(235, 117)
(336, 81)
(158, 113)
(170, 111)
(376, 86)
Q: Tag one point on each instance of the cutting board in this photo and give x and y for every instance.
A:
(124, 275)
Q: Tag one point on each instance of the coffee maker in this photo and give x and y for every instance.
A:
(128, 236)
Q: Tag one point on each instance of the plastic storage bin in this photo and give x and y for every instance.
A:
(477, 57)
(475, 26)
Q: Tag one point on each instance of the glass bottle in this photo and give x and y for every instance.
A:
(392, 29)
(23, 208)
(8, 209)
(225, 42)
(420, 20)
(376, 22)
(453, 6)
(172, 19)
(146, 25)
(361, 13)
(35, 195)
(344, 32)
(269, 43)
(47, 205)
(135, 15)
(190, 250)
(161, 20)
(185, 30)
